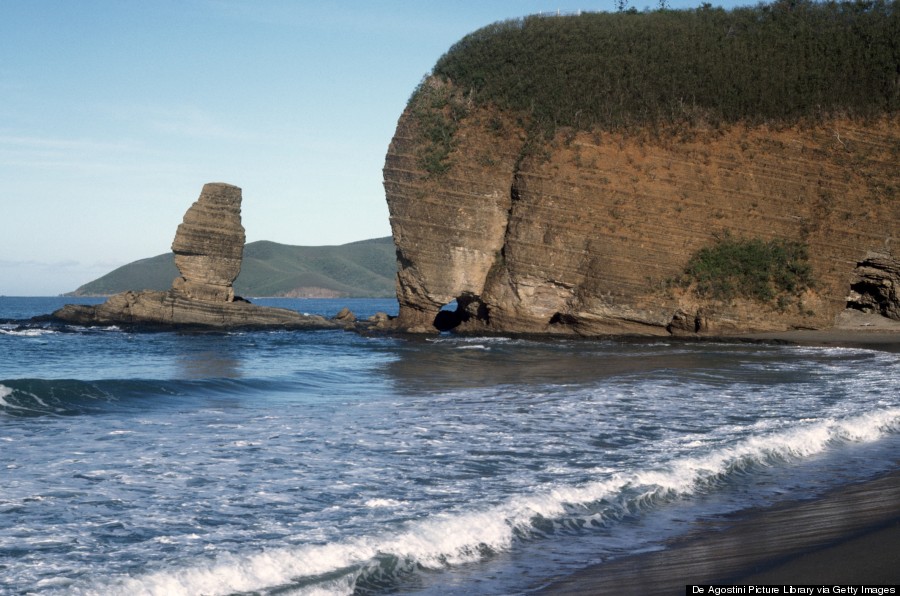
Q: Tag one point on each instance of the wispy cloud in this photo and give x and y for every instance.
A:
(37, 143)
(194, 122)
(82, 155)
(33, 264)
(186, 121)
(149, 134)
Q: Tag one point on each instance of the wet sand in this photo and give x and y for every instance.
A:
(852, 328)
(848, 536)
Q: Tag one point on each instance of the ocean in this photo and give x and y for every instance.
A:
(328, 462)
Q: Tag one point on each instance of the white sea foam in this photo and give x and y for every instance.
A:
(4, 393)
(7, 391)
(27, 332)
(374, 503)
(475, 340)
(453, 538)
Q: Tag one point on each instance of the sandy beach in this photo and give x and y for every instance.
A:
(849, 536)
(852, 329)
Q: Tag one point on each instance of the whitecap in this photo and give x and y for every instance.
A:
(27, 332)
(458, 537)
(375, 503)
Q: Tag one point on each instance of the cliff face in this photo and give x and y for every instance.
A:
(587, 231)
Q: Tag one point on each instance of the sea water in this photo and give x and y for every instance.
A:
(328, 462)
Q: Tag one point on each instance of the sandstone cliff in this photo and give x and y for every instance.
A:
(586, 233)
(208, 249)
(669, 171)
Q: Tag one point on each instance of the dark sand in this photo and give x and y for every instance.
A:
(849, 536)
(852, 328)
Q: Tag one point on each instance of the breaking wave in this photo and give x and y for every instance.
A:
(67, 397)
(448, 539)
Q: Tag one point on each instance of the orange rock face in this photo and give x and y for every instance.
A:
(585, 233)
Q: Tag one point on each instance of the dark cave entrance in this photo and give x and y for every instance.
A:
(449, 317)
(453, 314)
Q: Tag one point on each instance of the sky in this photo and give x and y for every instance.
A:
(114, 113)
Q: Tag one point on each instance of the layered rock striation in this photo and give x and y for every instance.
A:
(209, 245)
(589, 232)
(208, 249)
(875, 286)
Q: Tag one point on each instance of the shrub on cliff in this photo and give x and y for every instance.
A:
(782, 61)
(437, 110)
(749, 268)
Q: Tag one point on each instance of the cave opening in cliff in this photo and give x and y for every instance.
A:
(456, 312)
(449, 317)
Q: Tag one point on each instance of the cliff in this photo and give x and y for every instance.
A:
(596, 228)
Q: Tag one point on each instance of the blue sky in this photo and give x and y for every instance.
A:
(115, 113)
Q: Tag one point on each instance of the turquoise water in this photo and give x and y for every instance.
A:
(327, 462)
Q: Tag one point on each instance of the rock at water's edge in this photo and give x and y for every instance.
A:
(172, 309)
(208, 249)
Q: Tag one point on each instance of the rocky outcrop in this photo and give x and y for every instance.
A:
(173, 309)
(209, 245)
(875, 286)
(208, 249)
(585, 232)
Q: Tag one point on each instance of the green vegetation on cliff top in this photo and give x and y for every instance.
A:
(358, 269)
(787, 60)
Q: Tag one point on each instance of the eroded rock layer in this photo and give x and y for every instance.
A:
(209, 244)
(173, 309)
(875, 286)
(586, 232)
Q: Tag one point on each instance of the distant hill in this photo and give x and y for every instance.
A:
(358, 269)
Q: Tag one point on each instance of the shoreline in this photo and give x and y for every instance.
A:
(834, 338)
(849, 535)
(852, 329)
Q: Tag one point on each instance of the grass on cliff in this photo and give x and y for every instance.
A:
(438, 110)
(782, 61)
(749, 268)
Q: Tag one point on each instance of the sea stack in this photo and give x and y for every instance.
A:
(209, 244)
(208, 248)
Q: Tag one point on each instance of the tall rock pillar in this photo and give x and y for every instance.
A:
(209, 245)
